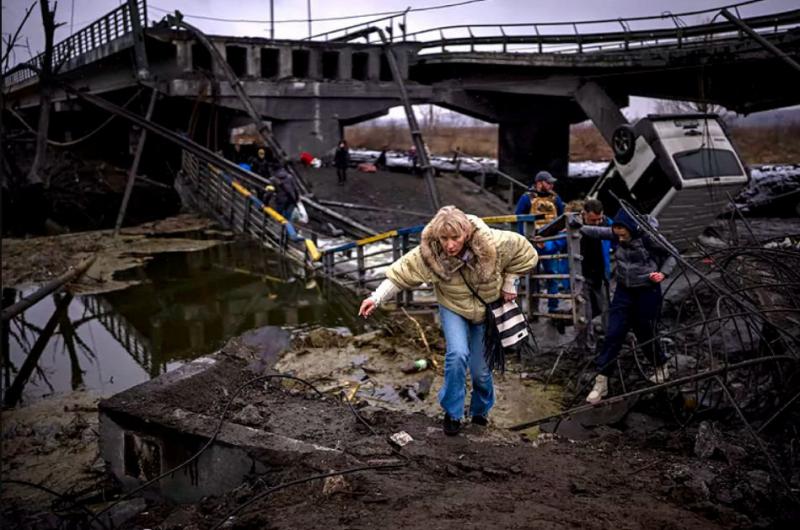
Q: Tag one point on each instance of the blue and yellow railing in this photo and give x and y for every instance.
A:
(412, 230)
(237, 206)
(359, 265)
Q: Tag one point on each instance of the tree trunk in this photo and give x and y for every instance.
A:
(35, 175)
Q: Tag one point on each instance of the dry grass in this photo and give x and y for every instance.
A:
(758, 145)
(768, 145)
(441, 140)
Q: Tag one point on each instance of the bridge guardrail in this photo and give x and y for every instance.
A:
(237, 205)
(509, 35)
(487, 169)
(359, 266)
(137, 345)
(114, 25)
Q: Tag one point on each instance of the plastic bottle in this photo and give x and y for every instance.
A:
(416, 366)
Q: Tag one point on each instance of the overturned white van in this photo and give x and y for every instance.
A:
(682, 169)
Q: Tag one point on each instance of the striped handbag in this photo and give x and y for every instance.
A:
(505, 330)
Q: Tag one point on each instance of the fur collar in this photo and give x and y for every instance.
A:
(481, 244)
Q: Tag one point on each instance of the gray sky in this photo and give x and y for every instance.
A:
(78, 13)
(479, 12)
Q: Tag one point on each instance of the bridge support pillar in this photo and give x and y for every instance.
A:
(315, 136)
(253, 61)
(538, 143)
(374, 65)
(345, 66)
(284, 62)
(184, 55)
(314, 64)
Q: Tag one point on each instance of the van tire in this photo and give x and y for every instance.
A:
(623, 143)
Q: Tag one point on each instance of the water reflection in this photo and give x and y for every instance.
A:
(186, 306)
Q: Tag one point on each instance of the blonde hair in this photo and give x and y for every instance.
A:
(449, 220)
(574, 206)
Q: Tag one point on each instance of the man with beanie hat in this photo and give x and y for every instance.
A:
(641, 265)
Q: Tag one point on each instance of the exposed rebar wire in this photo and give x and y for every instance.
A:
(757, 439)
(652, 389)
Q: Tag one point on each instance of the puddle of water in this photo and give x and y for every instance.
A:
(187, 306)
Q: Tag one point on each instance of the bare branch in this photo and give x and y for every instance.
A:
(13, 40)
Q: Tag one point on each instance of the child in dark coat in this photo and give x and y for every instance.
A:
(641, 266)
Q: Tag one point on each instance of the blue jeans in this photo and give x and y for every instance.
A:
(634, 308)
(464, 342)
(287, 212)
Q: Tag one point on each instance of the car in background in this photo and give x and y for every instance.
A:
(682, 169)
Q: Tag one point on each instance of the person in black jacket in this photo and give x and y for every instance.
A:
(286, 192)
(341, 159)
(641, 265)
(260, 163)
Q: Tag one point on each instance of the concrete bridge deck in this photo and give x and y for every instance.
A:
(309, 90)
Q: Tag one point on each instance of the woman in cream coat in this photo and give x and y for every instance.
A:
(456, 247)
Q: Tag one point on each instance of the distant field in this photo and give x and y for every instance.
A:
(758, 145)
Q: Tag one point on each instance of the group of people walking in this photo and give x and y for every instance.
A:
(470, 265)
(641, 264)
(281, 190)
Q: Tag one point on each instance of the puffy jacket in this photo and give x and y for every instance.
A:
(495, 253)
(286, 192)
(637, 258)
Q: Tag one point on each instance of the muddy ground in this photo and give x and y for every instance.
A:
(641, 471)
(39, 259)
(400, 191)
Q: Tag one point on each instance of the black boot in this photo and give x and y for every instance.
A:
(480, 420)
(451, 427)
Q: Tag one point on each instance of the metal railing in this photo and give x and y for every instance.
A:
(488, 169)
(360, 267)
(136, 344)
(540, 38)
(110, 27)
(398, 20)
(235, 204)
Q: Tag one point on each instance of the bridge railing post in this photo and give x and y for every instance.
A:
(576, 279)
(360, 264)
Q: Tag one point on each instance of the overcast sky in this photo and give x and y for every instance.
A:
(291, 15)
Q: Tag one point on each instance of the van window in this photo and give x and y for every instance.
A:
(651, 187)
(707, 163)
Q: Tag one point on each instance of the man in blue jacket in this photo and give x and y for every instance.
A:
(641, 265)
(540, 199)
(596, 272)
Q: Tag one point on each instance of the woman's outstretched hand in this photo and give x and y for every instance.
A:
(367, 307)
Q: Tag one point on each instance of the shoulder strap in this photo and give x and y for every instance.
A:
(473, 291)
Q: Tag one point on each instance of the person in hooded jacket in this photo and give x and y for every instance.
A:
(458, 251)
(641, 265)
(286, 192)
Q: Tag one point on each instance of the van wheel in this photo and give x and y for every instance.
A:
(623, 142)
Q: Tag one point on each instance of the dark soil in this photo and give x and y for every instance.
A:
(483, 478)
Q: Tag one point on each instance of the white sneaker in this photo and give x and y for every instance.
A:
(599, 391)
(661, 375)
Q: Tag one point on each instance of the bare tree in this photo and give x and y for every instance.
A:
(11, 41)
(46, 73)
